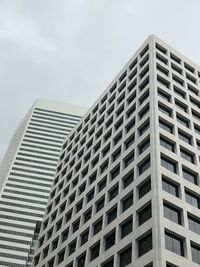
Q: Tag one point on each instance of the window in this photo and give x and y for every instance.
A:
(61, 256)
(179, 92)
(163, 95)
(174, 243)
(116, 154)
(182, 120)
(162, 69)
(185, 137)
(181, 106)
(102, 184)
(75, 225)
(144, 188)
(190, 176)
(144, 128)
(166, 143)
(126, 228)
(72, 247)
(110, 263)
(68, 216)
(144, 145)
(170, 187)
(144, 111)
(194, 224)
(165, 83)
(128, 179)
(195, 253)
(112, 215)
(81, 261)
(144, 165)
(87, 215)
(125, 257)
(65, 234)
(127, 202)
(161, 49)
(100, 204)
(114, 173)
(130, 141)
(55, 244)
(144, 214)
(113, 193)
(166, 126)
(165, 110)
(90, 195)
(172, 213)
(84, 237)
(145, 244)
(94, 252)
(97, 226)
(168, 164)
(187, 155)
(129, 159)
(45, 252)
(192, 199)
(110, 240)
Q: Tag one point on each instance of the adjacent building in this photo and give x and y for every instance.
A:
(26, 176)
(126, 192)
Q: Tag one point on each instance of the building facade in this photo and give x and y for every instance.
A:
(26, 176)
(126, 192)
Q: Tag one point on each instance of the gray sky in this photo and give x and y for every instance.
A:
(70, 51)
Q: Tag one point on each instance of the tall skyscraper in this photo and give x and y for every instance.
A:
(26, 176)
(126, 192)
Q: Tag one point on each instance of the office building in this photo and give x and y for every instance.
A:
(26, 176)
(126, 192)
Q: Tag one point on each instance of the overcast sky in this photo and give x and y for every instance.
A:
(71, 50)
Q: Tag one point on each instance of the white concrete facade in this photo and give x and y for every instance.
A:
(126, 192)
(26, 176)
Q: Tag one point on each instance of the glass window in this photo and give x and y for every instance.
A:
(145, 244)
(194, 224)
(166, 126)
(113, 193)
(192, 199)
(97, 226)
(129, 159)
(127, 202)
(144, 188)
(167, 144)
(110, 263)
(168, 164)
(174, 244)
(126, 228)
(128, 179)
(81, 261)
(111, 215)
(172, 213)
(170, 187)
(72, 247)
(144, 166)
(195, 253)
(125, 257)
(189, 175)
(84, 237)
(100, 204)
(185, 137)
(110, 240)
(187, 155)
(144, 214)
(144, 145)
(94, 252)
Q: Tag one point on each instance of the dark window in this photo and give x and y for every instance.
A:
(167, 144)
(116, 154)
(72, 247)
(61, 256)
(170, 187)
(125, 257)
(168, 164)
(129, 159)
(79, 206)
(126, 228)
(100, 205)
(195, 253)
(172, 213)
(97, 226)
(55, 244)
(68, 216)
(45, 252)
(192, 199)
(144, 166)
(90, 195)
(144, 188)
(144, 214)
(82, 188)
(181, 106)
(187, 155)
(165, 110)
(81, 261)
(112, 215)
(185, 137)
(166, 126)
(189, 175)
(127, 202)
(84, 237)
(194, 224)
(87, 215)
(144, 111)
(76, 225)
(95, 252)
(145, 244)
(110, 240)
(144, 128)
(130, 141)
(185, 122)
(65, 235)
(128, 179)
(144, 145)
(114, 173)
(174, 244)
(102, 184)
(109, 264)
(113, 193)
